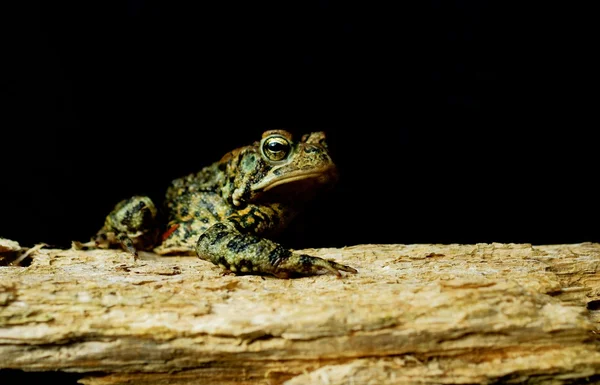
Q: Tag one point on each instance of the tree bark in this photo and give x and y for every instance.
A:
(414, 314)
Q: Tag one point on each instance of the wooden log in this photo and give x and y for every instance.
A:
(426, 314)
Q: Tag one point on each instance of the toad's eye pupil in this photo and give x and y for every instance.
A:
(276, 146)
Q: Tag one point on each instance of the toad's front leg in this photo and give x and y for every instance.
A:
(224, 245)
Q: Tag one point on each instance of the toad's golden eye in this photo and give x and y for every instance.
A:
(276, 148)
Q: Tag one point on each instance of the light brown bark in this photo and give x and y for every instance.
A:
(427, 314)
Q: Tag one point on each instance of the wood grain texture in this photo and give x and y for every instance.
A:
(426, 314)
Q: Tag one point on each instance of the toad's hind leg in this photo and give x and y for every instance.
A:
(224, 245)
(131, 224)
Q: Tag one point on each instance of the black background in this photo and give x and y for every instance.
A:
(450, 121)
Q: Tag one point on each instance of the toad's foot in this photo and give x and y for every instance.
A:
(308, 265)
(127, 244)
(225, 246)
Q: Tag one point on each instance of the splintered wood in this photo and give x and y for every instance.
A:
(414, 314)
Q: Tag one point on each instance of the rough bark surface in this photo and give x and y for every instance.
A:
(414, 314)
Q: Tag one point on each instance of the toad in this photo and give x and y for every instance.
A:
(228, 212)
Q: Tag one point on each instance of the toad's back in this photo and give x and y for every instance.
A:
(193, 204)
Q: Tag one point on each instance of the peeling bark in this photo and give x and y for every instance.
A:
(427, 314)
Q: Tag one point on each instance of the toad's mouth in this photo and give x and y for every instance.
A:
(320, 175)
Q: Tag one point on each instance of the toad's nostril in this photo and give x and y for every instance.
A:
(310, 149)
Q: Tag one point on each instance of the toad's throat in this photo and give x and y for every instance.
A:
(295, 176)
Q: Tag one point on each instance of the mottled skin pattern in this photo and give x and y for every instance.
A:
(132, 223)
(225, 212)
